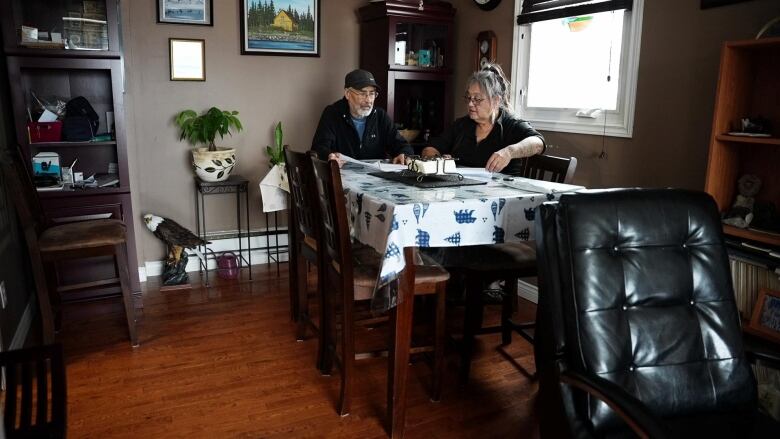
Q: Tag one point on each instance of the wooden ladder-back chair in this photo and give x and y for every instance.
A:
(305, 244)
(507, 262)
(35, 396)
(353, 277)
(49, 243)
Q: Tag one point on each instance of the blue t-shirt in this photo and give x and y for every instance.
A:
(360, 126)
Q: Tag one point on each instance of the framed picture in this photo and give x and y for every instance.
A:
(765, 320)
(706, 4)
(185, 12)
(188, 59)
(293, 30)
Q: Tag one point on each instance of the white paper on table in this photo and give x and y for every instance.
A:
(540, 186)
(274, 189)
(481, 173)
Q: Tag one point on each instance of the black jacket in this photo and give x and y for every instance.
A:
(337, 133)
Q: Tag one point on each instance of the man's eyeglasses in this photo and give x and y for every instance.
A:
(365, 94)
(476, 100)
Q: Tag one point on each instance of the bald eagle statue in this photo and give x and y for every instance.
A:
(176, 238)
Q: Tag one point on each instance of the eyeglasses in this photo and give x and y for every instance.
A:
(476, 100)
(365, 94)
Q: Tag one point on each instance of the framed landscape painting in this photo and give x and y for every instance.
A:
(268, 28)
(185, 12)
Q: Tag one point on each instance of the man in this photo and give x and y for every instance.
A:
(354, 127)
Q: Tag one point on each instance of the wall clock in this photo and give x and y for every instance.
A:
(486, 49)
(487, 5)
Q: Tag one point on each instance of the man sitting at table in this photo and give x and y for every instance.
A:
(490, 135)
(353, 126)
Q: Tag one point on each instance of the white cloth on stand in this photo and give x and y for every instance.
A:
(274, 188)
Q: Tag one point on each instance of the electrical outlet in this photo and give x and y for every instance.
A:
(3, 296)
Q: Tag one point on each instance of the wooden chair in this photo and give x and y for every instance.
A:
(506, 262)
(352, 278)
(50, 243)
(306, 231)
(35, 382)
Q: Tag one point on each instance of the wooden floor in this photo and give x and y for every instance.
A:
(223, 362)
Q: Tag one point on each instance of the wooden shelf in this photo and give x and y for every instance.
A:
(403, 68)
(65, 193)
(62, 53)
(71, 144)
(745, 139)
(766, 238)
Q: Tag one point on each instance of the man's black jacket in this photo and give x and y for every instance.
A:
(336, 133)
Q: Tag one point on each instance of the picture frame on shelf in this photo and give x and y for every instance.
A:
(294, 31)
(187, 59)
(765, 319)
(196, 12)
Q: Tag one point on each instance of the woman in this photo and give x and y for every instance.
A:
(490, 136)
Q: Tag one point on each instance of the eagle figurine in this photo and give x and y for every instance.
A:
(176, 237)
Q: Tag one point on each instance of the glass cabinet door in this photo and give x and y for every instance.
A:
(422, 45)
(87, 25)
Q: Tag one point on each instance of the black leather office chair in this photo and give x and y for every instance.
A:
(637, 329)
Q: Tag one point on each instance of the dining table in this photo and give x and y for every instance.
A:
(396, 218)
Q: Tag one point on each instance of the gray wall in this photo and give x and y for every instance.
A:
(677, 77)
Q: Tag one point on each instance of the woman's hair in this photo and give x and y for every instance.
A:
(493, 83)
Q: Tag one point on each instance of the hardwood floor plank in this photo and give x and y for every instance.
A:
(223, 362)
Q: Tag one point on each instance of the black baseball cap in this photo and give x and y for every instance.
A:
(358, 79)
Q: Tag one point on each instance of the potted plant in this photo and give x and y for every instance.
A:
(212, 163)
(276, 152)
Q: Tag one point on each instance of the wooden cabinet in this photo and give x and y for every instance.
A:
(77, 53)
(410, 52)
(748, 86)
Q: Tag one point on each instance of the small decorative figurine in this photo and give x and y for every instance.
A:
(741, 212)
(176, 238)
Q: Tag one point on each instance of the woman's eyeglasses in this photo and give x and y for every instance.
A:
(365, 94)
(476, 100)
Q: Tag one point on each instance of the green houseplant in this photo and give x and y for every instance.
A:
(276, 152)
(212, 163)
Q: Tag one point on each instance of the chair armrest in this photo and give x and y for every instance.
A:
(630, 409)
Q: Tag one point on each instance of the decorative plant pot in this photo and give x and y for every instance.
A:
(213, 165)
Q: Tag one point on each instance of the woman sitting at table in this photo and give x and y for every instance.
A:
(491, 135)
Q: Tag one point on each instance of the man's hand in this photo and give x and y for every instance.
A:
(337, 157)
(400, 159)
(498, 161)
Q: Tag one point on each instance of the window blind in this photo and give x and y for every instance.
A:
(542, 10)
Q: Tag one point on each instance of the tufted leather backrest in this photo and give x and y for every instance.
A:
(646, 301)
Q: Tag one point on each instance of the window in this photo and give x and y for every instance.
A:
(577, 73)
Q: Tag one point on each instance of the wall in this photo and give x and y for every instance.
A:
(678, 71)
(264, 89)
(676, 88)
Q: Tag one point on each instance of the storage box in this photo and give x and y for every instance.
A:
(45, 131)
(46, 163)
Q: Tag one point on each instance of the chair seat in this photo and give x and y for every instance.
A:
(513, 256)
(82, 235)
(366, 272)
(721, 425)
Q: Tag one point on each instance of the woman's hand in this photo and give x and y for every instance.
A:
(499, 160)
(400, 159)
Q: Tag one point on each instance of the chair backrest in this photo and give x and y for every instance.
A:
(638, 291)
(548, 168)
(303, 192)
(21, 191)
(335, 238)
(35, 398)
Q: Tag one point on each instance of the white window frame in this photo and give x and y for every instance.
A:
(619, 123)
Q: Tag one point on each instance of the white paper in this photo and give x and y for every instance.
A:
(47, 116)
